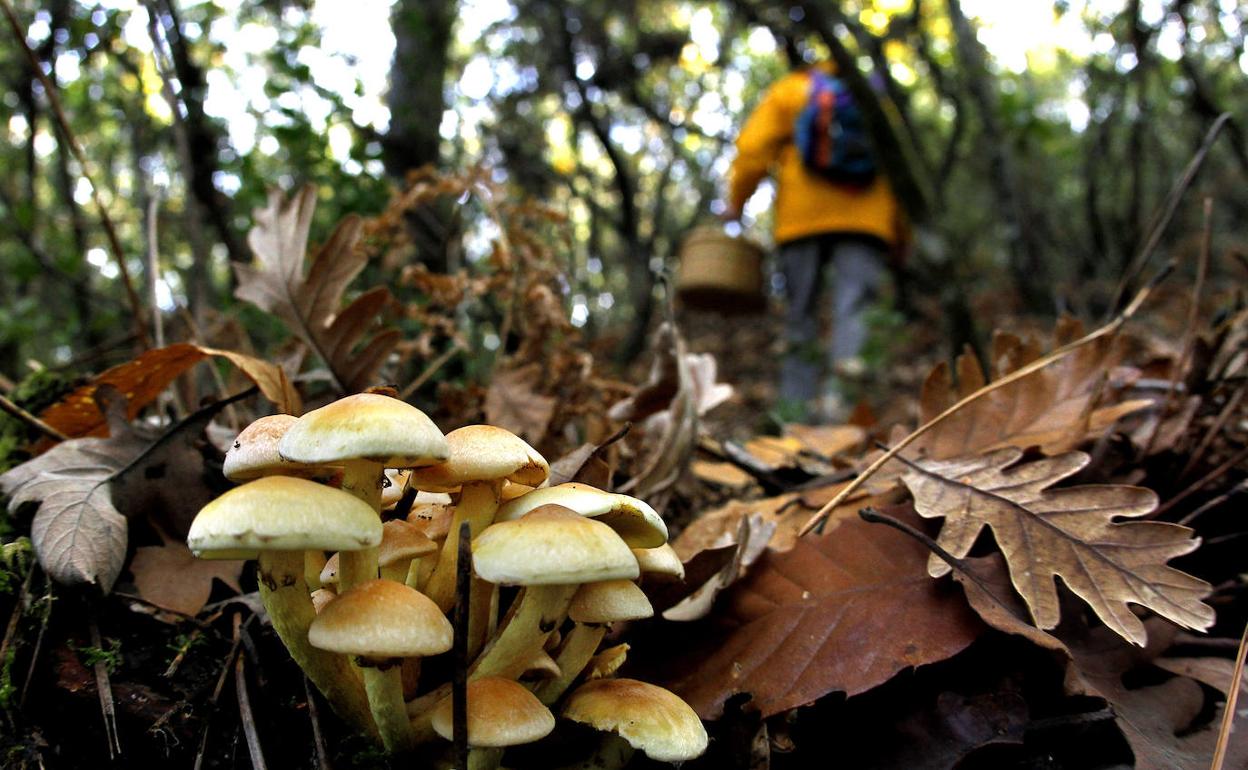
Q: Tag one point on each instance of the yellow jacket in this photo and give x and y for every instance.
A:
(806, 203)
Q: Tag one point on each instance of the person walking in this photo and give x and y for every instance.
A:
(831, 209)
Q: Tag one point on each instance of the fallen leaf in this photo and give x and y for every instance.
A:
(1218, 673)
(513, 402)
(310, 305)
(828, 440)
(721, 474)
(986, 581)
(665, 591)
(144, 378)
(1055, 408)
(939, 734)
(841, 612)
(751, 540)
(1158, 720)
(1068, 532)
(78, 535)
(170, 577)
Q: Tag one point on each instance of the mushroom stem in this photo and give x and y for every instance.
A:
(484, 758)
(539, 611)
(613, 753)
(385, 695)
(482, 616)
(577, 649)
(284, 592)
(361, 478)
(478, 501)
(313, 563)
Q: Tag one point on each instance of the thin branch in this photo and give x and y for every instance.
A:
(1025, 371)
(103, 686)
(1228, 711)
(430, 370)
(31, 420)
(244, 706)
(110, 231)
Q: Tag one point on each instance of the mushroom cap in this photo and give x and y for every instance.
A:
(484, 453)
(329, 573)
(434, 519)
(392, 487)
(281, 513)
(365, 426)
(254, 452)
(400, 540)
(649, 717)
(662, 560)
(551, 546)
(609, 601)
(500, 713)
(381, 619)
(321, 597)
(541, 667)
(634, 520)
(607, 662)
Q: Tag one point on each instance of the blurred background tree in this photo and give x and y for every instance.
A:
(1034, 142)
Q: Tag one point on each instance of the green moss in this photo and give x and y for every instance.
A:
(37, 392)
(90, 655)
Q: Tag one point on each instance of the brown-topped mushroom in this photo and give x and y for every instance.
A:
(501, 713)
(365, 433)
(644, 715)
(634, 520)
(381, 622)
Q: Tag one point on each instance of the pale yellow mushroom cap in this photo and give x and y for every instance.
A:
(500, 713)
(650, 718)
(484, 453)
(634, 520)
(381, 619)
(254, 452)
(400, 540)
(551, 546)
(662, 560)
(609, 601)
(366, 426)
(281, 513)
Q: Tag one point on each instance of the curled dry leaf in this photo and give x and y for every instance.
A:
(1068, 532)
(841, 612)
(311, 305)
(170, 576)
(144, 378)
(752, 537)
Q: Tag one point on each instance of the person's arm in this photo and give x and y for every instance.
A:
(765, 132)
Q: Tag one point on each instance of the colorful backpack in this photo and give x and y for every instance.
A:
(831, 135)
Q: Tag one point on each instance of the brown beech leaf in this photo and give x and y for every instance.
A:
(1068, 532)
(986, 581)
(512, 402)
(841, 612)
(142, 379)
(170, 576)
(1055, 408)
(310, 305)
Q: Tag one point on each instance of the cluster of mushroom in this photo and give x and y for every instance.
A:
(359, 622)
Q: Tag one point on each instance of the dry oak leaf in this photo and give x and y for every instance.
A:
(78, 534)
(1068, 532)
(841, 612)
(170, 576)
(310, 305)
(512, 402)
(144, 378)
(1056, 408)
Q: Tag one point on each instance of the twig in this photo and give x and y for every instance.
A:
(216, 691)
(244, 708)
(49, 90)
(1231, 462)
(1025, 371)
(43, 628)
(431, 369)
(318, 740)
(103, 686)
(459, 677)
(31, 420)
(1209, 505)
(1177, 191)
(153, 267)
(1189, 336)
(1198, 453)
(1228, 713)
(19, 606)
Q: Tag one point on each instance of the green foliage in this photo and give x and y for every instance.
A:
(109, 655)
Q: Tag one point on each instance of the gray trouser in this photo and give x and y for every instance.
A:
(858, 270)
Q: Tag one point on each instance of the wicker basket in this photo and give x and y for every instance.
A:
(719, 272)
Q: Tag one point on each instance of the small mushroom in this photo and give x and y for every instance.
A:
(644, 715)
(634, 520)
(550, 551)
(501, 713)
(365, 433)
(279, 518)
(381, 622)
